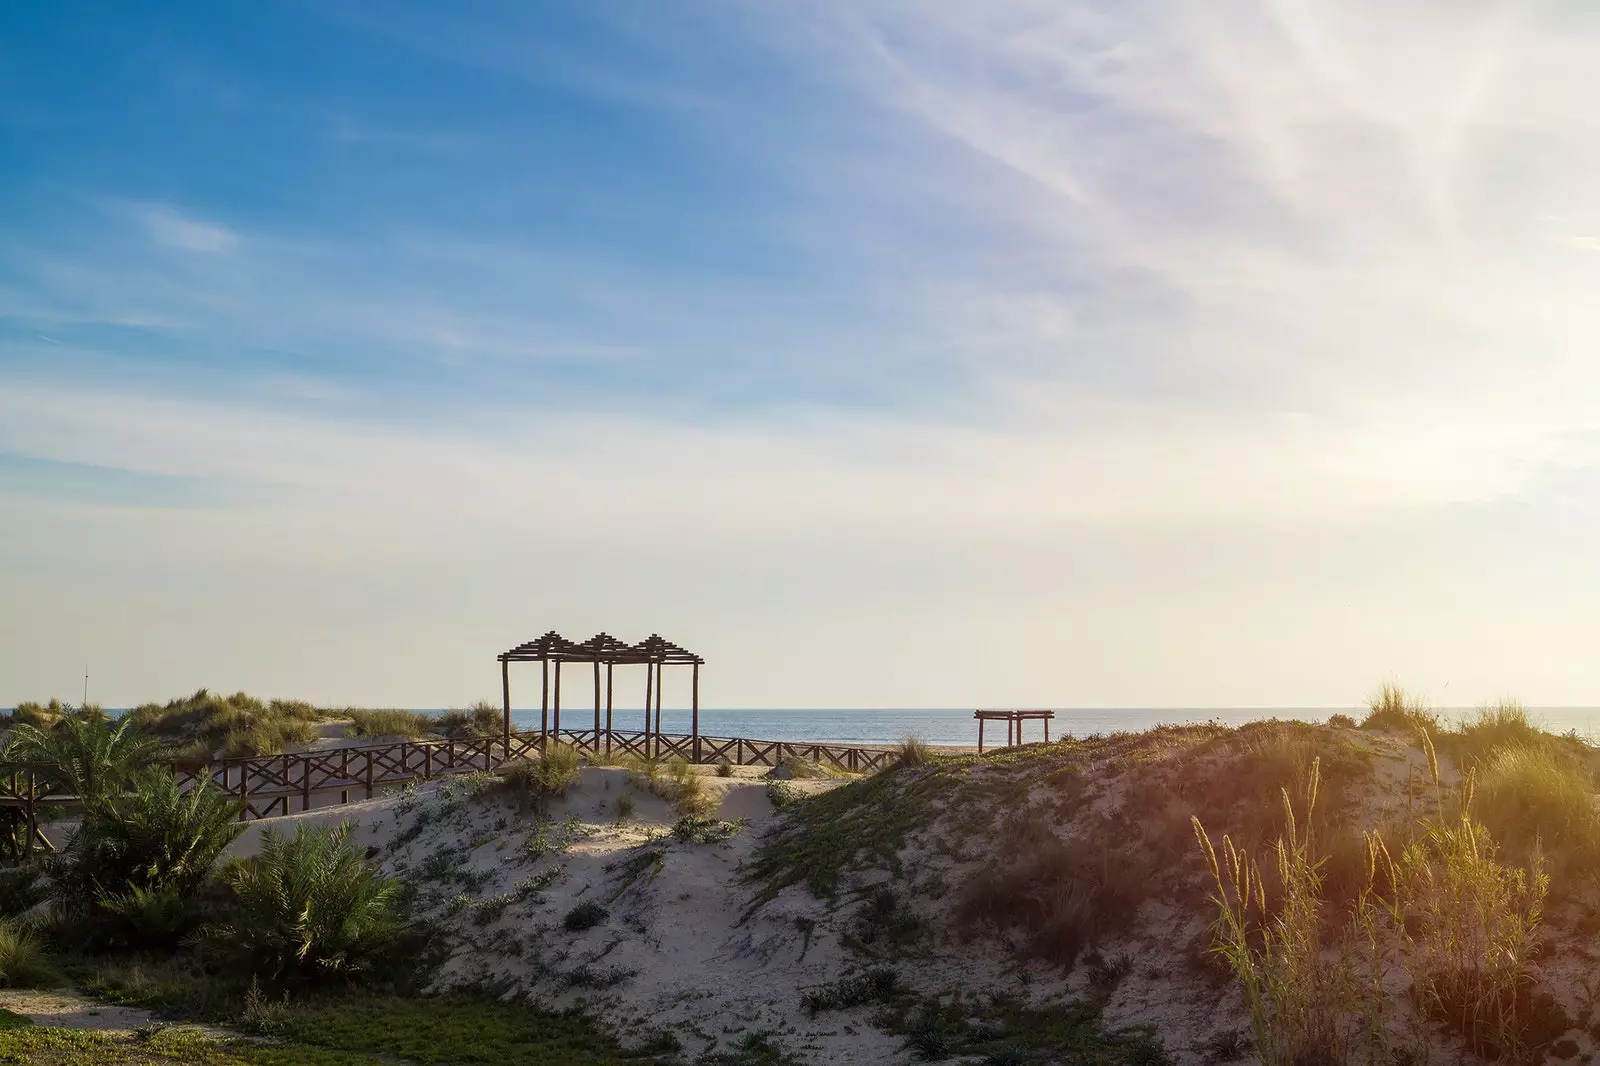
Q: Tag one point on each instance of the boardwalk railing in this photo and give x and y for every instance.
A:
(270, 785)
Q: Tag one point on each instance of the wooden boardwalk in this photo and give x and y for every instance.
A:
(272, 785)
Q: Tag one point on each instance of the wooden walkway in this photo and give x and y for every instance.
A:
(272, 785)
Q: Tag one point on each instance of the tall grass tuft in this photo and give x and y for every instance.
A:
(235, 725)
(388, 723)
(1492, 728)
(310, 907)
(1395, 708)
(1538, 797)
(481, 719)
(913, 751)
(1470, 926)
(1275, 949)
(544, 777)
(23, 963)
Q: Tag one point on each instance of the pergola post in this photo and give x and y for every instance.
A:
(505, 693)
(980, 734)
(597, 705)
(649, 679)
(558, 700)
(544, 704)
(695, 719)
(609, 665)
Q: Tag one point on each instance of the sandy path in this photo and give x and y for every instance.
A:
(60, 1009)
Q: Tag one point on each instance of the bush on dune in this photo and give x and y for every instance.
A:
(84, 755)
(1395, 708)
(236, 725)
(310, 907)
(388, 723)
(482, 719)
(158, 836)
(548, 775)
(1536, 797)
(43, 715)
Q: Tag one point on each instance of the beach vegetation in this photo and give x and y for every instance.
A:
(585, 915)
(228, 726)
(481, 719)
(85, 755)
(1394, 708)
(388, 723)
(309, 907)
(41, 715)
(23, 961)
(542, 777)
(913, 751)
(156, 836)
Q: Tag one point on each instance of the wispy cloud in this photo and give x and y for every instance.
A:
(169, 228)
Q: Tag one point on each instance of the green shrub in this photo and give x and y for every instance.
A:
(697, 829)
(23, 963)
(585, 916)
(150, 917)
(159, 835)
(388, 723)
(550, 774)
(20, 890)
(237, 725)
(482, 719)
(1341, 721)
(42, 715)
(311, 907)
(83, 755)
(783, 795)
(874, 986)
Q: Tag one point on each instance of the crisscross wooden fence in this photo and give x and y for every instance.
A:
(272, 785)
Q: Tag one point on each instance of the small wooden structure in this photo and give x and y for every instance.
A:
(1013, 720)
(602, 649)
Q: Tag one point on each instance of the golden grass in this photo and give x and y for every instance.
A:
(1395, 708)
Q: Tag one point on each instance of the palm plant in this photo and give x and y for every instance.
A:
(311, 907)
(87, 755)
(157, 836)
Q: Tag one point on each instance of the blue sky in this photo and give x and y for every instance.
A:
(1027, 352)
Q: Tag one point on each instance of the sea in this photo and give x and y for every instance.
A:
(956, 726)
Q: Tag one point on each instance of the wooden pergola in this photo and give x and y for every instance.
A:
(1013, 720)
(602, 649)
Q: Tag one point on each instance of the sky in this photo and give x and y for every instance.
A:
(884, 352)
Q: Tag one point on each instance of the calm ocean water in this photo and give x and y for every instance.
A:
(956, 725)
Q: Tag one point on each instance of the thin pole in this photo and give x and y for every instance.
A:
(558, 700)
(695, 703)
(544, 703)
(649, 679)
(608, 707)
(661, 684)
(1047, 730)
(597, 705)
(505, 695)
(980, 736)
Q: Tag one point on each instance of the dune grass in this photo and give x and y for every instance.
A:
(1395, 708)
(388, 723)
(230, 726)
(545, 776)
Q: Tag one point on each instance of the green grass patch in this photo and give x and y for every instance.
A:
(12, 1020)
(448, 1030)
(67, 1047)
